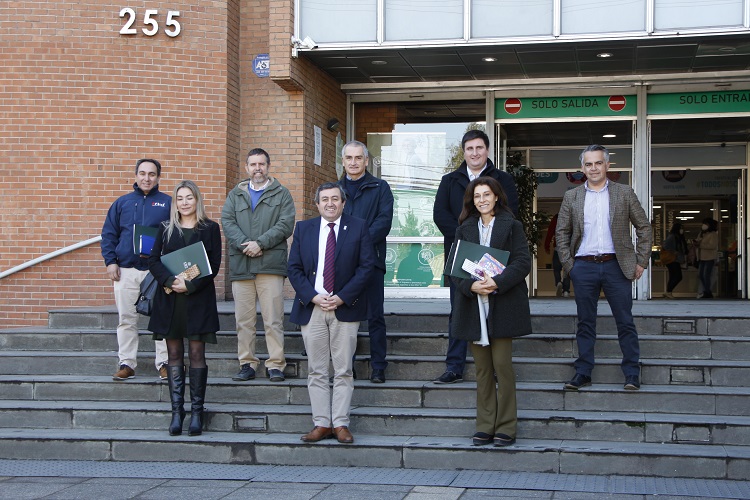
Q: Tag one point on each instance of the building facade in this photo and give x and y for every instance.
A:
(89, 87)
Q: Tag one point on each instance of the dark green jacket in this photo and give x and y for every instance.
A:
(270, 224)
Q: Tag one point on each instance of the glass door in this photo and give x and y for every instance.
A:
(411, 147)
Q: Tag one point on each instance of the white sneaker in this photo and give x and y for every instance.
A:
(559, 290)
(566, 294)
(668, 295)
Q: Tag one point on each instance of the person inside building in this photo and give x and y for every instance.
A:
(127, 265)
(487, 219)
(448, 206)
(258, 218)
(676, 245)
(189, 310)
(330, 263)
(371, 199)
(708, 249)
(596, 249)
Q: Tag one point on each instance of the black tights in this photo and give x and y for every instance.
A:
(176, 351)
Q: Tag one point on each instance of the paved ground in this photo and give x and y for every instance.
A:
(37, 479)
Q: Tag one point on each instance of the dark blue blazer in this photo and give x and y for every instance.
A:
(355, 260)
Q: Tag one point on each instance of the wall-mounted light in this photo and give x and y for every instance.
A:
(333, 125)
(604, 55)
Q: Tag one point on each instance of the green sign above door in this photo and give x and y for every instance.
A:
(688, 103)
(565, 107)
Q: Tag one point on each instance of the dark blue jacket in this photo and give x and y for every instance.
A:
(353, 266)
(127, 211)
(449, 200)
(373, 202)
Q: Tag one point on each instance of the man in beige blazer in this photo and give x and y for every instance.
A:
(596, 250)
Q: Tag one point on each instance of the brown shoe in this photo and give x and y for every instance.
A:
(343, 434)
(124, 373)
(317, 434)
(163, 372)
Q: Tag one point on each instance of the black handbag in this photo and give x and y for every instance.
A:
(145, 303)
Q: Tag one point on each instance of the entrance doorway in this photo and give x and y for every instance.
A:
(411, 146)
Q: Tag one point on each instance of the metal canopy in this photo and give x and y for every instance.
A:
(532, 61)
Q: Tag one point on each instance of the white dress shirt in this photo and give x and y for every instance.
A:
(471, 175)
(322, 240)
(597, 235)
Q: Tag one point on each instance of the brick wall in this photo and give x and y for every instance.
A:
(79, 103)
(279, 112)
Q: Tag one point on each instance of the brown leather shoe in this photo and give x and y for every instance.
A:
(317, 434)
(124, 373)
(343, 434)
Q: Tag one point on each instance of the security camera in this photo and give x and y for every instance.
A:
(297, 44)
(309, 43)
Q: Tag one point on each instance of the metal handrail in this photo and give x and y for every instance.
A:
(50, 255)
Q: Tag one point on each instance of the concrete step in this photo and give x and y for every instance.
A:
(653, 371)
(663, 346)
(372, 450)
(548, 316)
(385, 421)
(695, 400)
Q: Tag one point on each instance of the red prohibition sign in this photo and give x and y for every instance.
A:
(512, 106)
(617, 102)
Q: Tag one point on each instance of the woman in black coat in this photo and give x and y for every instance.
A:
(487, 220)
(189, 311)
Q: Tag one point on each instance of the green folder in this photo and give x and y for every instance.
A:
(181, 259)
(462, 249)
(148, 232)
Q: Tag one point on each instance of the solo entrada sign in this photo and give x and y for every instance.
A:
(149, 19)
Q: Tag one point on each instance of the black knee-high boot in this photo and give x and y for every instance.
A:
(198, 378)
(176, 377)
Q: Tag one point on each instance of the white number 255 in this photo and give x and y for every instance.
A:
(149, 20)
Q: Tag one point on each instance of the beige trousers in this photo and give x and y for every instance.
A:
(326, 337)
(126, 293)
(268, 291)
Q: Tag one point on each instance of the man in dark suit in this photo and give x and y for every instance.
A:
(329, 267)
(449, 201)
(596, 250)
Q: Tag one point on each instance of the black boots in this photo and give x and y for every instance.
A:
(198, 377)
(176, 377)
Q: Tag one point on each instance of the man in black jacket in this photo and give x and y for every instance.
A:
(448, 204)
(371, 199)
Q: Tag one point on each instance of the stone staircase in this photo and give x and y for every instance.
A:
(690, 419)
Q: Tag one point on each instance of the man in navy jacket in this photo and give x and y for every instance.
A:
(448, 205)
(145, 206)
(371, 199)
(330, 263)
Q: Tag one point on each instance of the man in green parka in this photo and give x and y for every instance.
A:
(258, 218)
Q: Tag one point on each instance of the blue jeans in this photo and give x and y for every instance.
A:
(589, 279)
(705, 268)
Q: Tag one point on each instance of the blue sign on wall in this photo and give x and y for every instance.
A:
(262, 65)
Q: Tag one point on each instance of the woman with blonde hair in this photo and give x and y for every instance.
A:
(189, 312)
